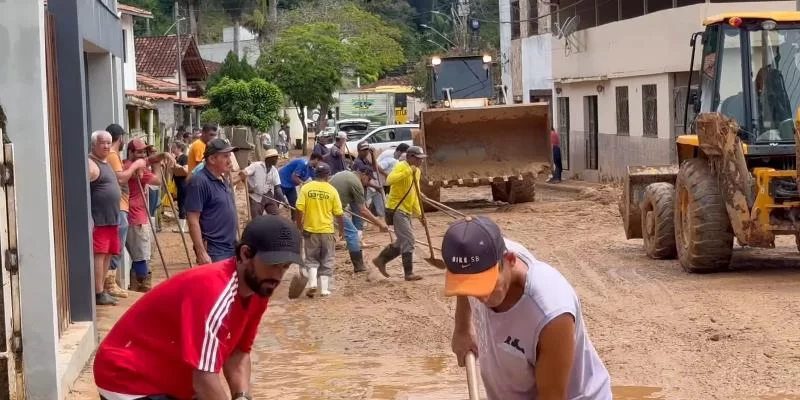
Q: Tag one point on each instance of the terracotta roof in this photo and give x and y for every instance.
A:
(192, 101)
(126, 9)
(144, 82)
(211, 66)
(156, 56)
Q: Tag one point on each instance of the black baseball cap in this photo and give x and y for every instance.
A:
(322, 170)
(472, 249)
(415, 151)
(275, 240)
(363, 168)
(216, 146)
(363, 146)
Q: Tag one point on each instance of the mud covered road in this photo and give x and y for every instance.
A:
(662, 333)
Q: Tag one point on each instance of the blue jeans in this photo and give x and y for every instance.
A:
(154, 201)
(116, 261)
(557, 163)
(357, 222)
(351, 233)
(290, 194)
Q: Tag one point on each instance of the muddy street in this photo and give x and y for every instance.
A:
(662, 333)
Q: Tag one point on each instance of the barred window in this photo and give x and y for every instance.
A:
(623, 115)
(650, 110)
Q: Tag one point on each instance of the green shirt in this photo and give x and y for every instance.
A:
(349, 186)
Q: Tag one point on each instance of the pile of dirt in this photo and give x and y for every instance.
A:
(606, 194)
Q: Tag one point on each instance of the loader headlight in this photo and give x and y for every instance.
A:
(436, 61)
(768, 25)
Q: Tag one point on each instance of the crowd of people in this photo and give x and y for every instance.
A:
(519, 315)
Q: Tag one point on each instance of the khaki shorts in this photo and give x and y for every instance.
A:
(138, 242)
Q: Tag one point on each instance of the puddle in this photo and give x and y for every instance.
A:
(636, 392)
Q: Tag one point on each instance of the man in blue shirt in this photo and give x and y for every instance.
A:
(210, 207)
(294, 174)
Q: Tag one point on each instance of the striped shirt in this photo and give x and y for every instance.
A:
(193, 321)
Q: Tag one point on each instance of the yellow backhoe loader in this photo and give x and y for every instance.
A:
(737, 172)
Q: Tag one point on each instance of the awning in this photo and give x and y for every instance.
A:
(137, 102)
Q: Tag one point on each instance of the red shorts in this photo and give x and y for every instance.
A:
(105, 240)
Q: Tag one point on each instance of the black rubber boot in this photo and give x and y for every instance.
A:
(408, 267)
(357, 258)
(388, 253)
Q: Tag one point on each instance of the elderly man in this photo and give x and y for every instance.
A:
(105, 201)
(335, 157)
(264, 184)
(198, 147)
(174, 341)
(403, 204)
(210, 207)
(138, 241)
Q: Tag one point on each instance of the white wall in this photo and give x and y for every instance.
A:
(505, 44)
(537, 68)
(650, 44)
(607, 104)
(100, 82)
(130, 53)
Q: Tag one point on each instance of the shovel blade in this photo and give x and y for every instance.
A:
(297, 285)
(436, 262)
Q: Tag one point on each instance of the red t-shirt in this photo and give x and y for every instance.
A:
(194, 320)
(137, 210)
(555, 139)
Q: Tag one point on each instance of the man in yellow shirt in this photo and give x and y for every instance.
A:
(198, 147)
(317, 205)
(403, 204)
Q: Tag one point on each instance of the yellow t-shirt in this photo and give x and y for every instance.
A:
(400, 181)
(116, 164)
(319, 202)
(195, 155)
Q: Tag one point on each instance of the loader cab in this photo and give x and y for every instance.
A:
(750, 71)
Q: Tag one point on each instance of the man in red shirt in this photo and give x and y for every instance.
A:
(173, 342)
(139, 235)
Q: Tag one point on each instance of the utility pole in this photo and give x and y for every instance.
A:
(463, 17)
(178, 49)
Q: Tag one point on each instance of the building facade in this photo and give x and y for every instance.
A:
(617, 69)
(620, 77)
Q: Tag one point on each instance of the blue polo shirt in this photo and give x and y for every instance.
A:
(297, 166)
(213, 199)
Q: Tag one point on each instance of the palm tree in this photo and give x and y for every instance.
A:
(263, 21)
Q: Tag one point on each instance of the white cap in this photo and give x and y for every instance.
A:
(341, 135)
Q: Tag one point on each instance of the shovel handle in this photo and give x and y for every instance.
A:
(422, 211)
(472, 377)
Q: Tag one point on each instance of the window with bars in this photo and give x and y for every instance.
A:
(650, 110)
(563, 130)
(533, 17)
(623, 115)
(515, 23)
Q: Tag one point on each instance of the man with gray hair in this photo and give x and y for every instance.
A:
(105, 201)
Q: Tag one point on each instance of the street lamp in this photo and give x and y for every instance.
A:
(178, 49)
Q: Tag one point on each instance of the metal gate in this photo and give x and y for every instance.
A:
(11, 377)
(57, 178)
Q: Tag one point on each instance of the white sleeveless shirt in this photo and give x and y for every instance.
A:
(507, 341)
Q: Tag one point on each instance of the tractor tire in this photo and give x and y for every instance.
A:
(515, 191)
(658, 221)
(432, 192)
(703, 233)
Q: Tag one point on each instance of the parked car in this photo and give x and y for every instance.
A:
(384, 137)
(355, 128)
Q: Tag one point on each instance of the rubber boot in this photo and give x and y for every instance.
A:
(357, 258)
(323, 286)
(111, 286)
(147, 282)
(312, 283)
(408, 267)
(388, 253)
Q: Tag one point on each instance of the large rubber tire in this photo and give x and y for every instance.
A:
(515, 191)
(658, 221)
(703, 233)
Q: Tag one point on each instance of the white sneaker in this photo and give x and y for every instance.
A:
(183, 225)
(323, 285)
(312, 282)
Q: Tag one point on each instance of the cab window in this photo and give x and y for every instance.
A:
(386, 135)
(403, 133)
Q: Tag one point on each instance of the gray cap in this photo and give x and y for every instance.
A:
(415, 151)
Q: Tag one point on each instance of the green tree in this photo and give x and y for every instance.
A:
(211, 116)
(255, 103)
(232, 68)
(307, 63)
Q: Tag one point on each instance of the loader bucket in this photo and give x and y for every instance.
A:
(485, 142)
(638, 178)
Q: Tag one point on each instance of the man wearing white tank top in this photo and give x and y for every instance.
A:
(520, 317)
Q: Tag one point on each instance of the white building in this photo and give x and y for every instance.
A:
(621, 78)
(525, 50)
(249, 47)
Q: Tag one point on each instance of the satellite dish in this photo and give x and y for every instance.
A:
(569, 27)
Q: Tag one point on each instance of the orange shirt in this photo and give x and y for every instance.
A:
(195, 155)
(116, 164)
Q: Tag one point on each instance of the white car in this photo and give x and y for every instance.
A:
(385, 137)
